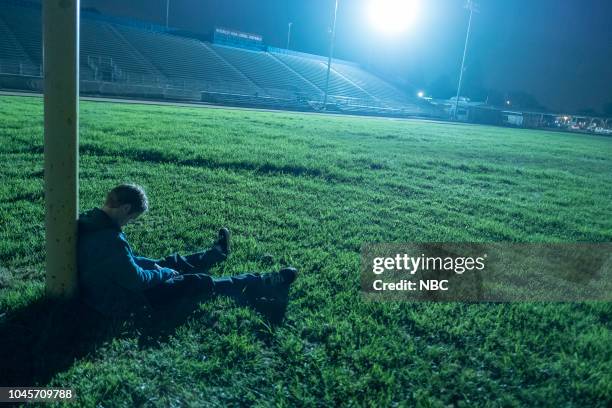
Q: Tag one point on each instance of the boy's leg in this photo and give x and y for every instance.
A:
(236, 285)
(246, 285)
(197, 285)
(253, 285)
(200, 285)
(199, 262)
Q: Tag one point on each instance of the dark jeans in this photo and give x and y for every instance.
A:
(194, 283)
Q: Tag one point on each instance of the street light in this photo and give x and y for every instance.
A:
(289, 34)
(470, 5)
(332, 37)
(167, 12)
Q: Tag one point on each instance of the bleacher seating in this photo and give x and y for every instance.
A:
(122, 57)
(25, 24)
(315, 71)
(370, 83)
(267, 72)
(14, 58)
(9, 46)
(102, 49)
(190, 60)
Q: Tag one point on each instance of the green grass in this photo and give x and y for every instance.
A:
(311, 189)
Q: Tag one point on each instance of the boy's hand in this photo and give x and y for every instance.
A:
(174, 273)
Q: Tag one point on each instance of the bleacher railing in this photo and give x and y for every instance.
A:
(14, 67)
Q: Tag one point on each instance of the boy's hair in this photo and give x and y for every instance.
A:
(128, 194)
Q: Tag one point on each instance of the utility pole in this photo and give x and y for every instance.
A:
(61, 151)
(472, 7)
(289, 34)
(332, 38)
(167, 12)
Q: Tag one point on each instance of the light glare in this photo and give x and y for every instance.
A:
(392, 16)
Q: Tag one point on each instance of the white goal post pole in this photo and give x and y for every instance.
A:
(61, 154)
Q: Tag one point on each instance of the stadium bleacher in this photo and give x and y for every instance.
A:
(315, 71)
(267, 72)
(126, 58)
(109, 55)
(24, 23)
(14, 58)
(193, 60)
(370, 83)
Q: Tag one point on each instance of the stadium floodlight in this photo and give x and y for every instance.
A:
(392, 16)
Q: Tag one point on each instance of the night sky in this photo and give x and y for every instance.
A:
(558, 51)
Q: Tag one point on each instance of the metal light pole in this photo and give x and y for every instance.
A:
(470, 5)
(61, 152)
(167, 12)
(289, 34)
(331, 53)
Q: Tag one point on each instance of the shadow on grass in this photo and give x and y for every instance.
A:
(46, 336)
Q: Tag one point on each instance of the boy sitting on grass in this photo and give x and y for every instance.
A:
(114, 281)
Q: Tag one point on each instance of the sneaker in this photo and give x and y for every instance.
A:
(223, 242)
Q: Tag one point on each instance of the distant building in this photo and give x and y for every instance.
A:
(464, 107)
(490, 115)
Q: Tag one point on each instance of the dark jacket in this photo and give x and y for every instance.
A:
(111, 277)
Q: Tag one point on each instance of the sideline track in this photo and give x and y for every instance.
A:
(240, 108)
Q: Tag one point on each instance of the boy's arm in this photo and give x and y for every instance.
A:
(127, 273)
(144, 262)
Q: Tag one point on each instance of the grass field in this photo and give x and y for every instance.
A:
(310, 190)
